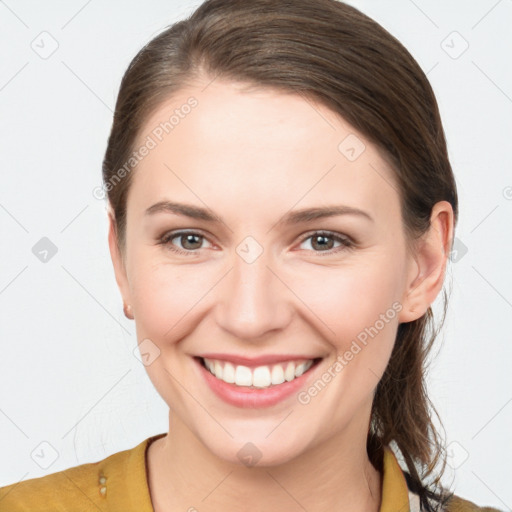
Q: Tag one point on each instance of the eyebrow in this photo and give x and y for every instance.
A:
(294, 217)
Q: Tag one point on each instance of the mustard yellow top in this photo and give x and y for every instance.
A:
(119, 483)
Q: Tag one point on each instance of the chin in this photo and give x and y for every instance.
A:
(258, 448)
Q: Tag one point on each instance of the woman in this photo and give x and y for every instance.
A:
(282, 209)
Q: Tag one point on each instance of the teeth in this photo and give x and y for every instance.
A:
(228, 374)
(218, 369)
(289, 373)
(260, 377)
(277, 374)
(243, 376)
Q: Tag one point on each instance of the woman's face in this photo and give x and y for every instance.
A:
(259, 281)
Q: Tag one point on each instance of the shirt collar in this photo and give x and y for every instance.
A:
(395, 493)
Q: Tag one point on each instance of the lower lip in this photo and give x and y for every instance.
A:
(252, 398)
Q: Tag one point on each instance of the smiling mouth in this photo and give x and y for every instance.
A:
(261, 377)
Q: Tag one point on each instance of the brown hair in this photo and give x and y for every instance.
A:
(334, 54)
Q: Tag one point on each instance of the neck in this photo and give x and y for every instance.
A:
(335, 475)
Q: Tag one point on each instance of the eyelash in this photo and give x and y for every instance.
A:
(346, 242)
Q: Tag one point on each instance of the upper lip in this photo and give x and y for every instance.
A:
(255, 361)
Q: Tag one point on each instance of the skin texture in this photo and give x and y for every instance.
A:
(251, 157)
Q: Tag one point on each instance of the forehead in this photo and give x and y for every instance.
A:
(222, 141)
(260, 112)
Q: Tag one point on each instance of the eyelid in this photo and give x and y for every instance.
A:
(332, 234)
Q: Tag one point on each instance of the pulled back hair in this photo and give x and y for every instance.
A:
(334, 54)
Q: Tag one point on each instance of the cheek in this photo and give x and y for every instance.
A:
(357, 310)
(350, 299)
(165, 298)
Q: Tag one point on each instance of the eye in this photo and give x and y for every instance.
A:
(190, 240)
(324, 240)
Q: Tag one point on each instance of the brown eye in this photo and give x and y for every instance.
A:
(324, 242)
(190, 242)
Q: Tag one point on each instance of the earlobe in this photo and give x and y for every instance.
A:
(431, 257)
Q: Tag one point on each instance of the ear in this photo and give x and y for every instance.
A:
(117, 260)
(428, 264)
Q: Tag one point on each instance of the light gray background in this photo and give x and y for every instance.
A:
(68, 376)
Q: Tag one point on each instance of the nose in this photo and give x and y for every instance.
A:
(253, 301)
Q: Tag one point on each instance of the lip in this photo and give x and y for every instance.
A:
(250, 398)
(253, 362)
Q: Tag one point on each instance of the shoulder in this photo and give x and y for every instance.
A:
(458, 504)
(74, 487)
(56, 491)
(80, 488)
